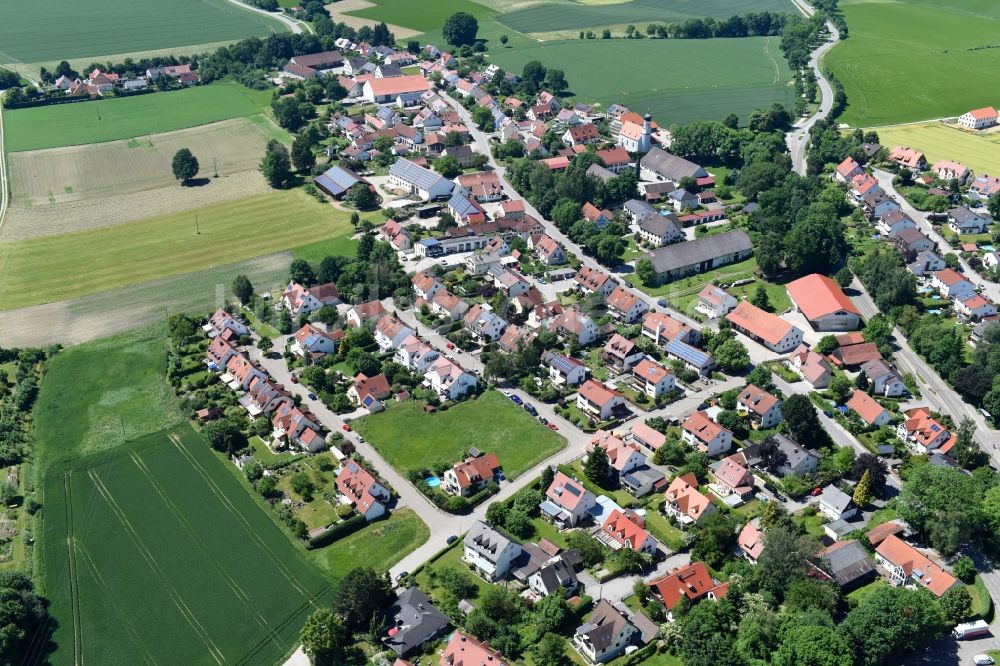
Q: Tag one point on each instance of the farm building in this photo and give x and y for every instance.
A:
(700, 255)
(337, 180)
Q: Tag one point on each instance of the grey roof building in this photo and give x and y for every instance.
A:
(415, 621)
(637, 210)
(700, 255)
(601, 173)
(337, 180)
(658, 163)
(798, 459)
(847, 562)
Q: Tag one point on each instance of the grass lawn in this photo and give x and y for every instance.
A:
(934, 51)
(865, 591)
(95, 393)
(27, 29)
(126, 117)
(264, 455)
(575, 470)
(423, 16)
(379, 546)
(661, 528)
(450, 559)
(982, 603)
(53, 268)
(683, 294)
(410, 438)
(813, 524)
(734, 75)
(979, 152)
(342, 244)
(881, 516)
(181, 562)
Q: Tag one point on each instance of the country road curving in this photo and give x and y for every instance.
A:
(294, 25)
(798, 138)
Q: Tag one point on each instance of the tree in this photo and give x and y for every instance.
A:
(503, 39)
(242, 288)
(732, 420)
(362, 197)
(966, 451)
(460, 28)
(550, 613)
(546, 478)
(810, 593)
(784, 558)
(874, 467)
(447, 166)
(359, 595)
(645, 271)
(267, 486)
(715, 538)
(844, 277)
(300, 271)
(815, 646)
(863, 491)
(707, 635)
(555, 79)
(802, 422)
(24, 619)
(772, 458)
(840, 389)
(225, 436)
(762, 377)
(942, 503)
(597, 468)
(552, 648)
(533, 74)
(760, 298)
(302, 153)
(891, 621)
(325, 638)
(184, 165)
(732, 356)
(956, 604)
(253, 471)
(816, 242)
(277, 166)
(303, 485)
(827, 344)
(964, 569)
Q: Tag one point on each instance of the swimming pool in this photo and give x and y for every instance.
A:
(432, 481)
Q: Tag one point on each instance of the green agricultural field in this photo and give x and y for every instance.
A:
(979, 152)
(98, 395)
(128, 117)
(410, 438)
(64, 29)
(423, 16)
(724, 75)
(917, 60)
(55, 268)
(155, 549)
(552, 16)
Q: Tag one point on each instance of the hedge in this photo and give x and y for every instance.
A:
(337, 531)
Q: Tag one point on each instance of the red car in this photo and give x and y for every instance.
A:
(346, 427)
(816, 492)
(553, 426)
(451, 345)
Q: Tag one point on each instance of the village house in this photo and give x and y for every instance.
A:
(700, 255)
(951, 284)
(974, 307)
(812, 366)
(622, 530)
(750, 541)
(390, 332)
(864, 185)
(883, 379)
(847, 170)
(509, 281)
(835, 504)
(593, 281)
(653, 379)
(479, 263)
(219, 352)
(485, 325)
(515, 338)
(684, 502)
(978, 119)
(240, 371)
(921, 431)
(548, 249)
(565, 370)
(447, 305)
(682, 200)
(263, 397)
(415, 620)
(573, 324)
(928, 262)
(417, 180)
(369, 392)
(624, 305)
(823, 303)
(361, 490)
(731, 479)
(557, 575)
(893, 222)
(605, 635)
(426, 285)
(715, 302)
(984, 187)
(615, 160)
(581, 135)
(622, 457)
(313, 342)
(416, 355)
(635, 211)
(483, 186)
(473, 474)
(847, 564)
(765, 328)
(706, 435)
(598, 401)
(763, 408)
(949, 170)
(362, 313)
(658, 164)
(909, 241)
(661, 328)
(798, 459)
(659, 230)
(905, 565)
(489, 552)
(302, 300)
(620, 354)
(567, 503)
(464, 650)
(292, 426)
(224, 325)
(600, 218)
(403, 91)
(646, 437)
(904, 156)
(962, 220)
(692, 582)
(449, 380)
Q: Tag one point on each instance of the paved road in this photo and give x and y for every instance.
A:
(294, 25)
(798, 138)
(990, 290)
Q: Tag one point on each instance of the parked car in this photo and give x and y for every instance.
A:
(553, 426)
(528, 407)
(361, 439)
(402, 575)
(295, 380)
(451, 345)
(507, 393)
(827, 414)
(544, 420)
(816, 492)
(662, 302)
(312, 396)
(452, 539)
(346, 427)
(516, 400)
(983, 660)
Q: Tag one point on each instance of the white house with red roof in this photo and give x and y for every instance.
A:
(263, 397)
(847, 170)
(219, 352)
(706, 435)
(223, 324)
(450, 380)
(362, 313)
(599, 401)
(951, 284)
(620, 354)
(622, 530)
(565, 370)
(715, 302)
(910, 158)
(302, 300)
(361, 490)
(984, 186)
(869, 409)
(763, 408)
(949, 170)
(653, 379)
(622, 457)
(593, 281)
(292, 426)
(626, 306)
(426, 285)
(922, 432)
(369, 392)
(581, 135)
(600, 217)
(769, 330)
(693, 582)
(240, 371)
(615, 160)
(463, 649)
(390, 332)
(974, 306)
(446, 304)
(567, 503)
(685, 502)
(732, 478)
(751, 541)
(416, 355)
(882, 379)
(813, 366)
(571, 323)
(313, 342)
(823, 303)
(399, 90)
(471, 475)
(905, 565)
(661, 328)
(863, 185)
(977, 119)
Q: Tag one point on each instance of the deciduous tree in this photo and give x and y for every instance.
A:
(184, 165)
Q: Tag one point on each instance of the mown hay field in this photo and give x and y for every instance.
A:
(64, 29)
(978, 151)
(99, 170)
(133, 117)
(722, 76)
(155, 549)
(60, 267)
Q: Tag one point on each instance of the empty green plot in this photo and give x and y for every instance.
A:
(154, 551)
(65, 29)
(424, 15)
(576, 16)
(128, 117)
(907, 61)
(678, 81)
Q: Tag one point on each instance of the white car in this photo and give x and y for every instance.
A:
(983, 660)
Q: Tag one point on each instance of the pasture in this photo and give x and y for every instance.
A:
(555, 16)
(423, 16)
(979, 152)
(60, 267)
(65, 29)
(908, 61)
(99, 170)
(721, 76)
(155, 549)
(410, 438)
(132, 117)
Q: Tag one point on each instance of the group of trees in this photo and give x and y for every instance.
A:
(359, 601)
(753, 24)
(460, 29)
(17, 398)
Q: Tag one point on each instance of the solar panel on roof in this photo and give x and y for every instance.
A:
(573, 490)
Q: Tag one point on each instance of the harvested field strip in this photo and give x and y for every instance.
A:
(247, 608)
(55, 268)
(86, 122)
(99, 170)
(36, 31)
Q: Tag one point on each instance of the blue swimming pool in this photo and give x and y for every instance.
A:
(433, 481)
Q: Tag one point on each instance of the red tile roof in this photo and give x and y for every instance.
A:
(865, 406)
(693, 582)
(764, 325)
(930, 574)
(817, 296)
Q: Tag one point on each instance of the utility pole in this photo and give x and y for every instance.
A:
(197, 229)
(215, 167)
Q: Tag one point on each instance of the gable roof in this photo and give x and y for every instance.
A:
(398, 85)
(756, 399)
(566, 492)
(597, 393)
(621, 528)
(670, 166)
(684, 492)
(817, 296)
(702, 427)
(916, 565)
(692, 582)
(846, 561)
(764, 325)
(673, 257)
(751, 540)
